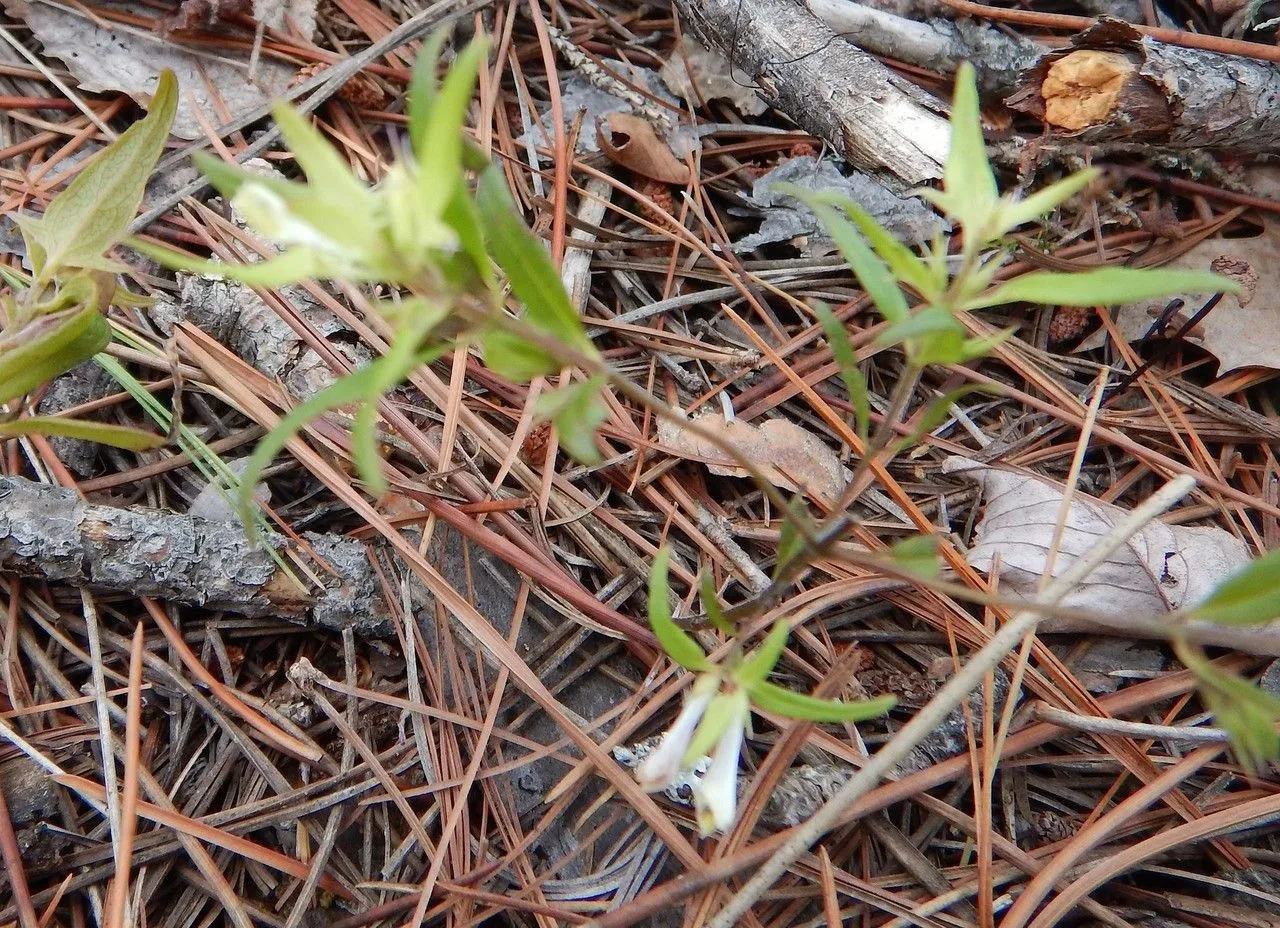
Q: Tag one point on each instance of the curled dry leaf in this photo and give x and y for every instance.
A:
(631, 142)
(697, 74)
(789, 456)
(1162, 568)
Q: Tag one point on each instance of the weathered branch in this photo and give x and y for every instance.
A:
(1114, 84)
(874, 120)
(999, 58)
(50, 532)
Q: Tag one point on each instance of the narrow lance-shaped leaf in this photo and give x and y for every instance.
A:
(871, 272)
(577, 410)
(95, 210)
(760, 662)
(971, 194)
(773, 698)
(902, 261)
(521, 255)
(710, 603)
(917, 556)
(440, 151)
(855, 382)
(1248, 597)
(1105, 286)
(423, 86)
(1014, 214)
(678, 643)
(103, 433)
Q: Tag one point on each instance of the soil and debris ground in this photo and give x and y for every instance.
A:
(355, 755)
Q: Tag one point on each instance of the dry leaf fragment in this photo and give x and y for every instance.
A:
(119, 59)
(697, 74)
(631, 142)
(1162, 568)
(1241, 331)
(788, 455)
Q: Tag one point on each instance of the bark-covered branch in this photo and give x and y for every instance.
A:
(51, 532)
(1113, 84)
(940, 44)
(873, 119)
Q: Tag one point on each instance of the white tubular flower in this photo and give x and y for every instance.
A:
(269, 214)
(715, 797)
(660, 768)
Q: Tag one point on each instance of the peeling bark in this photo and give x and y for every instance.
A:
(874, 120)
(1113, 84)
(52, 533)
(999, 58)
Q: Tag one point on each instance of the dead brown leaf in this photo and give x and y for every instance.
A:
(788, 455)
(631, 142)
(1241, 331)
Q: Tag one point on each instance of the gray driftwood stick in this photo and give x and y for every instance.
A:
(939, 44)
(874, 120)
(1113, 84)
(52, 533)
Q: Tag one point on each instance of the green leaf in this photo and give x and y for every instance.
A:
(1105, 286)
(49, 346)
(94, 212)
(760, 662)
(522, 257)
(711, 604)
(1245, 598)
(678, 643)
(422, 86)
(854, 381)
(872, 273)
(460, 214)
(778, 699)
(440, 149)
(1248, 714)
(971, 193)
(792, 542)
(724, 710)
(327, 171)
(514, 358)
(353, 388)
(917, 556)
(928, 321)
(1015, 213)
(289, 267)
(577, 411)
(902, 261)
(117, 436)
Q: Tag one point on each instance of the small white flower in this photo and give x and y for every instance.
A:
(269, 214)
(662, 766)
(715, 797)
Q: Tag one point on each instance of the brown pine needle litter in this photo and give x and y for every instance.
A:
(189, 738)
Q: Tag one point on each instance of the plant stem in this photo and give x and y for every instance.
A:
(965, 680)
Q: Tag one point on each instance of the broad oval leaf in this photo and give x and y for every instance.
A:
(678, 643)
(1104, 286)
(48, 347)
(1248, 597)
(773, 698)
(94, 212)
